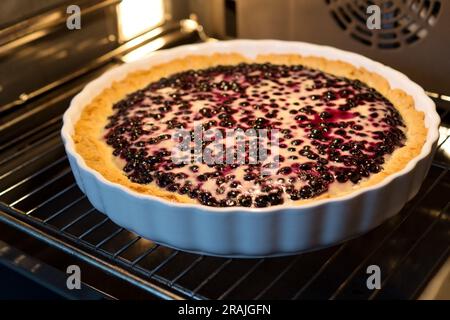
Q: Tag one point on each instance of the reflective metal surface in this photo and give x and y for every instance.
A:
(394, 44)
(44, 274)
(39, 197)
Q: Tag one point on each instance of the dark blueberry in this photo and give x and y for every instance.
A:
(305, 166)
(330, 95)
(206, 112)
(164, 180)
(312, 156)
(233, 193)
(262, 201)
(206, 198)
(374, 168)
(301, 118)
(354, 177)
(341, 177)
(173, 187)
(183, 190)
(220, 180)
(316, 184)
(141, 179)
(227, 203)
(305, 192)
(234, 184)
(181, 175)
(140, 144)
(245, 201)
(275, 198)
(249, 177)
(260, 123)
(326, 115)
(316, 134)
(285, 171)
(194, 193)
(294, 196)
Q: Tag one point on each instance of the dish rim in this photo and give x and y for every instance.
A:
(427, 106)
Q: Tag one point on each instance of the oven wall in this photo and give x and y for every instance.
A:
(427, 60)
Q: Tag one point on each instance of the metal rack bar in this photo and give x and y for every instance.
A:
(79, 218)
(386, 237)
(405, 256)
(53, 197)
(98, 62)
(42, 186)
(112, 235)
(278, 277)
(241, 279)
(21, 166)
(211, 276)
(444, 256)
(321, 269)
(163, 263)
(126, 246)
(186, 270)
(63, 209)
(93, 228)
(29, 147)
(101, 264)
(144, 254)
(14, 141)
(22, 32)
(69, 93)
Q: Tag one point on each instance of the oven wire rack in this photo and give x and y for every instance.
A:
(38, 195)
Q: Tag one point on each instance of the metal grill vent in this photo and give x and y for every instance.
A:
(403, 22)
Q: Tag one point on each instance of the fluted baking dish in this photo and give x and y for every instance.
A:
(253, 232)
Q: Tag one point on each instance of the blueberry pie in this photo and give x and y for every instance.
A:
(308, 128)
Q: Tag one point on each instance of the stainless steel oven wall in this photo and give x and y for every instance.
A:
(41, 49)
(216, 16)
(414, 38)
(12, 10)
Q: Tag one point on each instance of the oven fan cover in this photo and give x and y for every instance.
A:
(403, 22)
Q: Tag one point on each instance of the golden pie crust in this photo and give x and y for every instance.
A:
(89, 129)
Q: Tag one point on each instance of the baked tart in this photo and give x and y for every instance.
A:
(338, 129)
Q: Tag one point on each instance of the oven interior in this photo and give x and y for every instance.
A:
(47, 223)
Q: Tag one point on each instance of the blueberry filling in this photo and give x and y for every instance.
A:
(333, 131)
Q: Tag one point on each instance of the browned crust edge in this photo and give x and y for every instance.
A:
(98, 156)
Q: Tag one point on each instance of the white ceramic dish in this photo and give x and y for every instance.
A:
(236, 231)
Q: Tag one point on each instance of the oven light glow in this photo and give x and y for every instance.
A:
(145, 50)
(136, 17)
(444, 132)
(446, 149)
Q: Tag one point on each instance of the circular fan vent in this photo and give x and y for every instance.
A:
(403, 22)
